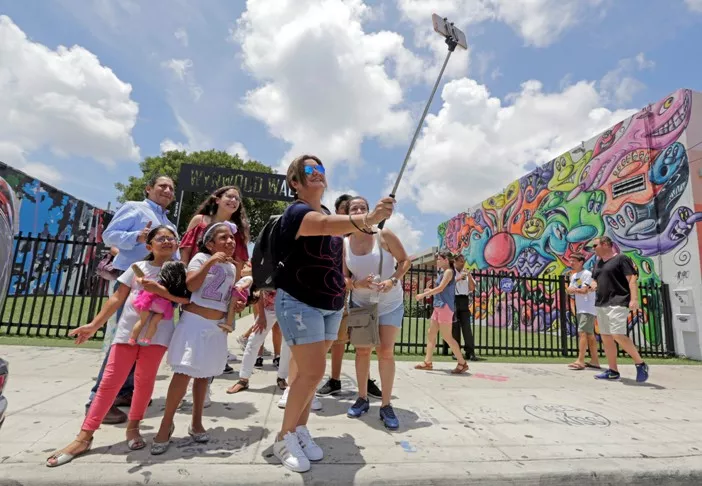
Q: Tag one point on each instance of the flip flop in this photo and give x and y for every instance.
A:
(576, 367)
(242, 386)
(592, 366)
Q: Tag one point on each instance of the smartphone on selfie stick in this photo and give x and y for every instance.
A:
(454, 37)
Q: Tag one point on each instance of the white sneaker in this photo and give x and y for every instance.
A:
(231, 358)
(316, 404)
(266, 352)
(284, 399)
(309, 446)
(188, 399)
(290, 453)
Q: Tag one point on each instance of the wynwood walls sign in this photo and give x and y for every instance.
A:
(258, 185)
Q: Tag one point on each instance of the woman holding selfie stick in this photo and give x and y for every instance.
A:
(310, 297)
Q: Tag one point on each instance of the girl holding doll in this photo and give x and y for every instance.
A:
(161, 243)
(198, 350)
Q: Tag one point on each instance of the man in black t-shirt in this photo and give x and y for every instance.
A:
(615, 281)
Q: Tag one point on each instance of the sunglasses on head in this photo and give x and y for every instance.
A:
(309, 169)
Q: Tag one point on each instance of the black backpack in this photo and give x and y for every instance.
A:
(265, 261)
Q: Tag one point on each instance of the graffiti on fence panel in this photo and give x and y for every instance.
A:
(630, 183)
(54, 216)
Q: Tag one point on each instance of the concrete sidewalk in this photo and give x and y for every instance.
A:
(504, 424)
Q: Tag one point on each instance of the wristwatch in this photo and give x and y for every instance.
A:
(394, 281)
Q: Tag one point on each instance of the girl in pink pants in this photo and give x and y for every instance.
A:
(162, 243)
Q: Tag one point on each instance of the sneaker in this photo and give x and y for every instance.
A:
(284, 399)
(331, 387)
(188, 399)
(259, 362)
(242, 340)
(266, 352)
(641, 372)
(114, 415)
(276, 362)
(316, 404)
(309, 446)
(373, 390)
(232, 358)
(608, 375)
(208, 398)
(228, 370)
(361, 406)
(387, 415)
(290, 453)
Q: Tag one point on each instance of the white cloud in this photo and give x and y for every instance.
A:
(477, 143)
(182, 69)
(182, 36)
(538, 22)
(62, 99)
(237, 148)
(195, 140)
(325, 86)
(14, 156)
(694, 5)
(619, 85)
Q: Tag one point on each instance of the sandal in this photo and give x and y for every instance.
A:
(64, 457)
(137, 443)
(576, 366)
(242, 384)
(592, 366)
(424, 366)
(158, 448)
(282, 384)
(460, 368)
(199, 437)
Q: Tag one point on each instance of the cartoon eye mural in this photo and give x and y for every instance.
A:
(620, 220)
(612, 222)
(666, 104)
(646, 266)
(629, 213)
(590, 205)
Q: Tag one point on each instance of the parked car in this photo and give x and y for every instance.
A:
(3, 382)
(8, 227)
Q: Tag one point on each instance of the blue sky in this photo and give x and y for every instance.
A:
(343, 79)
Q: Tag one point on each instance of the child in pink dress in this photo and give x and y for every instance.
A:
(153, 308)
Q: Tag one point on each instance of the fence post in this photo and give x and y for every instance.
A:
(563, 312)
(668, 320)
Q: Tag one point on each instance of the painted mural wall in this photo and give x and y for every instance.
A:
(49, 213)
(632, 182)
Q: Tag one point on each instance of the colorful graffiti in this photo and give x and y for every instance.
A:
(630, 182)
(49, 214)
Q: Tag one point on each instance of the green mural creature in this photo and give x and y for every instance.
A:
(566, 172)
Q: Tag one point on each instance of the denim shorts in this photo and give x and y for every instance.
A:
(302, 324)
(393, 318)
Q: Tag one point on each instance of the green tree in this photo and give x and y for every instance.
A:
(169, 163)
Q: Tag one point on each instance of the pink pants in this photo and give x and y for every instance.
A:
(122, 358)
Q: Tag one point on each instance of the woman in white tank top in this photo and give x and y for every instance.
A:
(361, 262)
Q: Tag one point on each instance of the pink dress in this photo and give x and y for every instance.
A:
(146, 301)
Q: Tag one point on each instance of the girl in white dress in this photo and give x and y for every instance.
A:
(198, 349)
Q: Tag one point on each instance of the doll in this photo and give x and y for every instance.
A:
(153, 308)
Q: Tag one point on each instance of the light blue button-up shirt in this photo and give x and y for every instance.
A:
(127, 224)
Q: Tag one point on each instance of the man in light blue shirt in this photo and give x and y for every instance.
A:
(127, 232)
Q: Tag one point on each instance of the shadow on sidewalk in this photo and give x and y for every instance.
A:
(337, 451)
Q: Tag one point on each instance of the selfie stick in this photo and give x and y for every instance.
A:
(452, 43)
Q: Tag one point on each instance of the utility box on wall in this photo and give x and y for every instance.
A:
(685, 324)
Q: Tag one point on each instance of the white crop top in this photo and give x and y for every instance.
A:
(215, 291)
(361, 266)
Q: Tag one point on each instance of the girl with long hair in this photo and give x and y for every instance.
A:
(442, 318)
(362, 258)
(161, 242)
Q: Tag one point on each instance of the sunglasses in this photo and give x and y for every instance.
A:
(164, 239)
(309, 169)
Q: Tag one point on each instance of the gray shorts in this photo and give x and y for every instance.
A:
(586, 323)
(612, 319)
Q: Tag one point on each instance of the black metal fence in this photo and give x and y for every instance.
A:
(52, 287)
(531, 316)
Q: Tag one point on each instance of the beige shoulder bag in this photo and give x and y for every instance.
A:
(363, 321)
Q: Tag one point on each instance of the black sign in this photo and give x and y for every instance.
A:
(258, 185)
